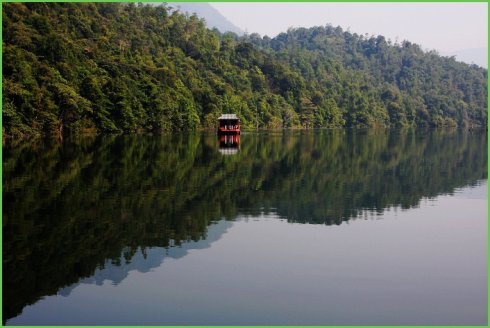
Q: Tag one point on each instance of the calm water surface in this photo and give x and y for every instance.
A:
(305, 228)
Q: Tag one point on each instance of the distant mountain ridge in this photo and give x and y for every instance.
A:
(213, 18)
(477, 56)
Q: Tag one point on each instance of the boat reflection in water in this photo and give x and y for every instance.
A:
(229, 144)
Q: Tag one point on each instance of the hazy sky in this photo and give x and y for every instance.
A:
(445, 27)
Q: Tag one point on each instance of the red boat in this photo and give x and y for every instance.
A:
(229, 124)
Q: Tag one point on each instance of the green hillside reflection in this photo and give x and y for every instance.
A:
(69, 207)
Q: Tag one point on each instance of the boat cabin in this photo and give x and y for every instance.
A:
(228, 124)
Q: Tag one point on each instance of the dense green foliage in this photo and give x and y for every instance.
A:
(71, 205)
(125, 67)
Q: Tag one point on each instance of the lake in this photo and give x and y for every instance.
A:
(328, 227)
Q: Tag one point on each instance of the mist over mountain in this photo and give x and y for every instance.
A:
(214, 19)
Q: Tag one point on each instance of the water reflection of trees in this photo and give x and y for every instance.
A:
(69, 207)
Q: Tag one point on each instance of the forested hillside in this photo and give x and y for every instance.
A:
(74, 67)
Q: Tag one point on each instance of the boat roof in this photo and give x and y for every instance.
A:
(228, 117)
